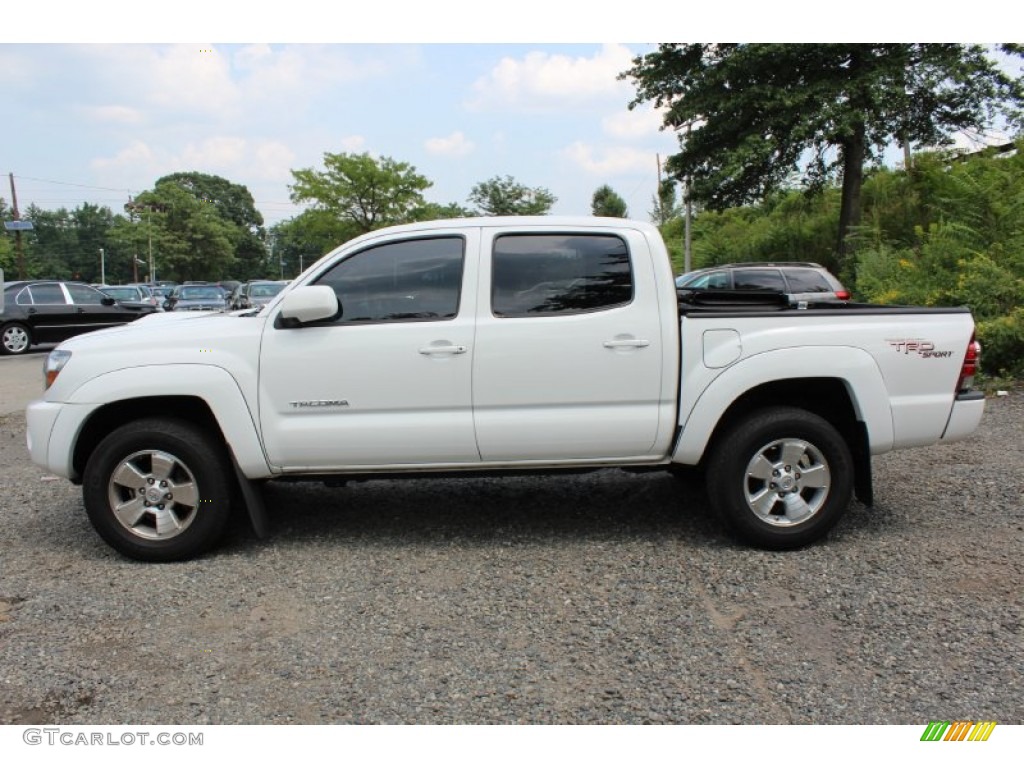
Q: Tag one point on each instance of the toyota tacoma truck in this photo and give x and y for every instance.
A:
(497, 345)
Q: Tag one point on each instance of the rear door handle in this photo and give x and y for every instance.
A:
(620, 343)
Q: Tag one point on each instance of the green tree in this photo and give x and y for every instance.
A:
(507, 197)
(190, 240)
(369, 192)
(606, 202)
(665, 206)
(758, 110)
(303, 239)
(234, 204)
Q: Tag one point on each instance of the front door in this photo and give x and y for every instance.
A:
(388, 381)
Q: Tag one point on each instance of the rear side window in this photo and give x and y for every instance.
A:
(758, 280)
(807, 281)
(46, 293)
(559, 274)
(400, 281)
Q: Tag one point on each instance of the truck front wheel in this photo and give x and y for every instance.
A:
(781, 479)
(158, 490)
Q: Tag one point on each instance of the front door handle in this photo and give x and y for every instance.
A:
(620, 343)
(446, 349)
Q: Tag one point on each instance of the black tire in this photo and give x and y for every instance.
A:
(780, 479)
(15, 339)
(172, 481)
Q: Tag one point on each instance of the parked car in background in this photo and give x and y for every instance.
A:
(255, 293)
(133, 294)
(50, 311)
(799, 280)
(195, 298)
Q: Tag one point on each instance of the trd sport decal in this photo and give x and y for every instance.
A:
(918, 347)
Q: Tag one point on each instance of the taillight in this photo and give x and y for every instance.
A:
(970, 367)
(843, 295)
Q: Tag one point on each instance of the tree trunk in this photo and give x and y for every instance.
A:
(853, 177)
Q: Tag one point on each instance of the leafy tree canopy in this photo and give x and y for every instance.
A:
(233, 202)
(367, 191)
(757, 111)
(507, 197)
(190, 239)
(606, 202)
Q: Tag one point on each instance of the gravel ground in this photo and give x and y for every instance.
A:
(602, 598)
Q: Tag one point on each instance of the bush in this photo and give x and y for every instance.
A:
(1002, 344)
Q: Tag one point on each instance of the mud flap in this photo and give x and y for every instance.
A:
(253, 497)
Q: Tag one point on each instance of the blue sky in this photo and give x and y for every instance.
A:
(91, 114)
(118, 116)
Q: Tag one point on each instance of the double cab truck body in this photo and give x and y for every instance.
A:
(495, 345)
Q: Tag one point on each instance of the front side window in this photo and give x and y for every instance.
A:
(710, 281)
(401, 281)
(559, 274)
(84, 294)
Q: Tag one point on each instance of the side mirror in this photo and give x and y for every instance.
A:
(108, 301)
(308, 304)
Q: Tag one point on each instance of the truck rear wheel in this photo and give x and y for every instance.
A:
(781, 479)
(158, 490)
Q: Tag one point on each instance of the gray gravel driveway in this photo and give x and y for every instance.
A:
(601, 598)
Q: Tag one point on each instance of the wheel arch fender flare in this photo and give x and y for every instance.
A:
(215, 386)
(852, 366)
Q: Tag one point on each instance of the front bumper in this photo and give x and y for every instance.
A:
(51, 432)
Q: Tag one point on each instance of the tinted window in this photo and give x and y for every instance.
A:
(758, 280)
(47, 293)
(712, 281)
(194, 293)
(121, 294)
(83, 294)
(409, 280)
(559, 274)
(807, 281)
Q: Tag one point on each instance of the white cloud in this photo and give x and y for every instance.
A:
(638, 123)
(544, 81)
(137, 154)
(453, 145)
(608, 162)
(233, 157)
(352, 143)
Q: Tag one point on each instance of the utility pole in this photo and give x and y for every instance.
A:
(103, 267)
(17, 233)
(688, 215)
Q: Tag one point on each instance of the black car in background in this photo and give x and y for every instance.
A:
(49, 311)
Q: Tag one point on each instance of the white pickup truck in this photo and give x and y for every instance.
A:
(497, 345)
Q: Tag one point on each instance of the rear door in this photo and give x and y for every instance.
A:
(48, 312)
(568, 360)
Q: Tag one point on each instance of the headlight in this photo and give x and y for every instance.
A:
(53, 364)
